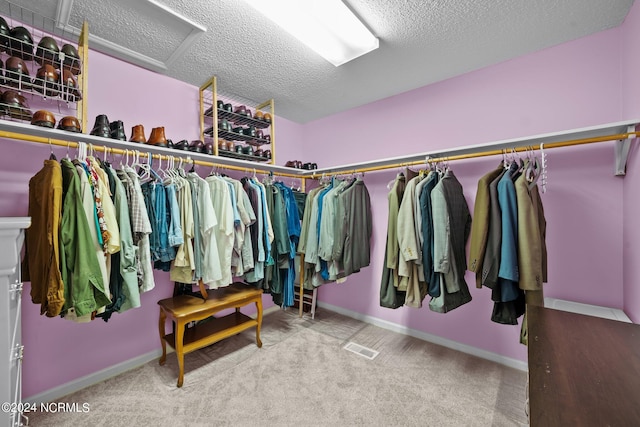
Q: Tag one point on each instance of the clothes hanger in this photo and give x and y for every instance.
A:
(124, 157)
(214, 170)
(107, 150)
(91, 155)
(52, 156)
(543, 155)
(167, 174)
(152, 171)
(82, 151)
(174, 169)
(399, 175)
(143, 168)
(531, 170)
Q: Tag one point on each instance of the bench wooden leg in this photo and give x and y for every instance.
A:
(161, 322)
(180, 351)
(259, 310)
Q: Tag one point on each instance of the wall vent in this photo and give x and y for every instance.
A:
(361, 350)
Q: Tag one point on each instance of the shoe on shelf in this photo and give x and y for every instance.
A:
(4, 35)
(70, 124)
(117, 130)
(157, 137)
(17, 73)
(197, 146)
(101, 127)
(71, 58)
(183, 144)
(16, 105)
(69, 87)
(43, 118)
(47, 51)
(46, 81)
(21, 43)
(137, 134)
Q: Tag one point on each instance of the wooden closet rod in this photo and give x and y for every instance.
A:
(340, 170)
(549, 145)
(102, 148)
(494, 152)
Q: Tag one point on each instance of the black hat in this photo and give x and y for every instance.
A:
(47, 51)
(21, 43)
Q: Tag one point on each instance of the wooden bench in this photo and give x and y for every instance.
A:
(183, 309)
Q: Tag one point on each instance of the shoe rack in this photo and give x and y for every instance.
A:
(237, 131)
(39, 87)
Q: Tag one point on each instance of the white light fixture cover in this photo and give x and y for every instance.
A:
(326, 26)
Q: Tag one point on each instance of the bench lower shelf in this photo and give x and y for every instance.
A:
(184, 309)
(212, 331)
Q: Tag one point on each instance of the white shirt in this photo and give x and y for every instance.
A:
(224, 229)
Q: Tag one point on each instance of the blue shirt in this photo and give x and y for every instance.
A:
(324, 267)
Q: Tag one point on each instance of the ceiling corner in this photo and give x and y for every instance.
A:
(151, 8)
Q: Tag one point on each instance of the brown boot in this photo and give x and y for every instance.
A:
(157, 137)
(137, 134)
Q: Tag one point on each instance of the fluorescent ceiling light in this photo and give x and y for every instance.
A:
(326, 26)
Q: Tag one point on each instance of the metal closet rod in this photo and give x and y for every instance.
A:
(495, 152)
(102, 148)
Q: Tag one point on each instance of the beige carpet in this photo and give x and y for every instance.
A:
(303, 376)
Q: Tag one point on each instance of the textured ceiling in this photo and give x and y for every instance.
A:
(421, 42)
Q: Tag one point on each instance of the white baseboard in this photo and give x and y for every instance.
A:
(484, 354)
(110, 372)
(269, 310)
(587, 309)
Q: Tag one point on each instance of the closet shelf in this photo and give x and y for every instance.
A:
(27, 132)
(233, 136)
(621, 132)
(210, 111)
(241, 156)
(238, 119)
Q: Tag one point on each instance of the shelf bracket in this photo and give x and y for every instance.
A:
(622, 152)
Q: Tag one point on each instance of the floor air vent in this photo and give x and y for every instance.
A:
(361, 350)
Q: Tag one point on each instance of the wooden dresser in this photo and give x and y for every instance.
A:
(583, 370)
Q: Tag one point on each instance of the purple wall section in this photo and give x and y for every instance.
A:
(556, 89)
(552, 90)
(631, 110)
(60, 351)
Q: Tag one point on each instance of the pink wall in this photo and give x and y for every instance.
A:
(556, 89)
(631, 110)
(59, 351)
(552, 90)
